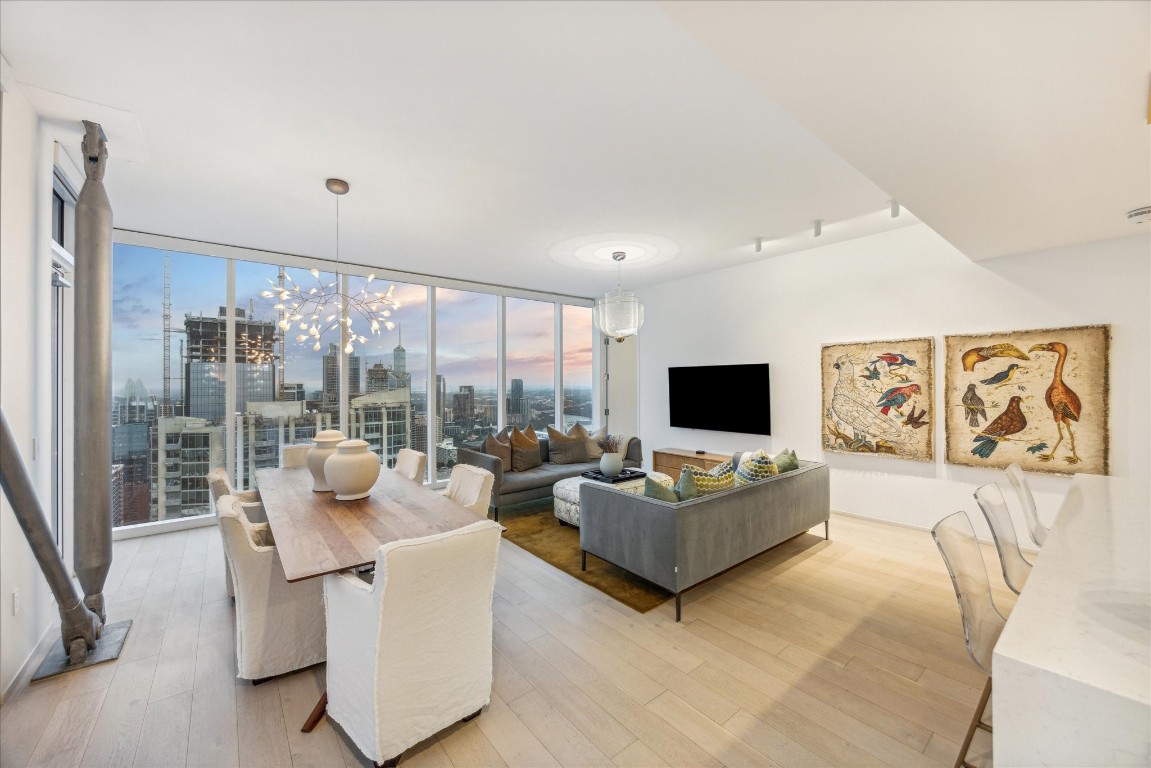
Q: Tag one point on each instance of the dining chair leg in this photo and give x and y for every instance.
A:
(961, 759)
(826, 530)
(391, 763)
(472, 716)
(317, 714)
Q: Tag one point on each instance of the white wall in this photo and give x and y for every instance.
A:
(623, 385)
(899, 284)
(25, 373)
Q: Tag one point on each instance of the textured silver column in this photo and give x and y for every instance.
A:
(93, 375)
(79, 627)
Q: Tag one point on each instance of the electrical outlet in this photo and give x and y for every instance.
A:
(15, 602)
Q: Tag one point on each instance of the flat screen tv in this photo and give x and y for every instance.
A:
(721, 398)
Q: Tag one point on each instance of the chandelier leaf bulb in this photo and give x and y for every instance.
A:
(317, 309)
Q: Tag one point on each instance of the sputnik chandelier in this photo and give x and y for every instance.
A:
(323, 307)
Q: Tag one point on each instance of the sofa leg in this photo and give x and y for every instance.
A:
(827, 530)
(561, 522)
(677, 606)
(583, 559)
(496, 512)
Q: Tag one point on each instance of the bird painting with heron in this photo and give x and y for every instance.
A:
(1055, 419)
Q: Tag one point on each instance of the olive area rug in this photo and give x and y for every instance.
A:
(541, 534)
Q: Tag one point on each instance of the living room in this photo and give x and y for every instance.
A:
(786, 182)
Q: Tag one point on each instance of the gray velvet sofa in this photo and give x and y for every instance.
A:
(678, 546)
(535, 483)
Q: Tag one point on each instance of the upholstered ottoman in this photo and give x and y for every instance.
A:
(566, 493)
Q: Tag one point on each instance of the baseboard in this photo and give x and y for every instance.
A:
(51, 635)
(1027, 550)
(162, 526)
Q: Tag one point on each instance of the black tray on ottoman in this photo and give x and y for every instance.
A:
(625, 475)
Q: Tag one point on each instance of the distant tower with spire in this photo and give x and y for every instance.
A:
(400, 355)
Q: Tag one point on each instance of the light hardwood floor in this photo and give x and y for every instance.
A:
(847, 653)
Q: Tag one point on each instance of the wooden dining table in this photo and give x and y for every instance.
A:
(316, 535)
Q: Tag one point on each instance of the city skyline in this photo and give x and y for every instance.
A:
(466, 323)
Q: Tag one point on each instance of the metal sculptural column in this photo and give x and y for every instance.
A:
(79, 627)
(93, 398)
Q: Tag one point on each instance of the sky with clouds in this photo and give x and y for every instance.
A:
(466, 325)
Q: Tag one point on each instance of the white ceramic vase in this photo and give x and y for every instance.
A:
(325, 445)
(352, 470)
(611, 464)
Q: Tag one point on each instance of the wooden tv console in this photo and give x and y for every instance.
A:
(670, 460)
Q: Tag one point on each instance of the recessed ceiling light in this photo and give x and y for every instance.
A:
(1140, 215)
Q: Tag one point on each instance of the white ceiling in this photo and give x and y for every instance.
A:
(478, 137)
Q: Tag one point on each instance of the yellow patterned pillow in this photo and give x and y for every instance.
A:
(720, 478)
(758, 466)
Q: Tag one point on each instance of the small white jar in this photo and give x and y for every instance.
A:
(352, 470)
(325, 445)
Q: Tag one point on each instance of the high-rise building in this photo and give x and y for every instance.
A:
(519, 412)
(184, 449)
(441, 396)
(380, 378)
(132, 451)
(383, 419)
(400, 355)
(132, 404)
(331, 375)
(205, 374)
(294, 391)
(464, 403)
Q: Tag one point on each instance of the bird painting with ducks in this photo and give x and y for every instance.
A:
(1037, 398)
(878, 398)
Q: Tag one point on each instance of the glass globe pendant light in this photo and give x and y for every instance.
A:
(619, 313)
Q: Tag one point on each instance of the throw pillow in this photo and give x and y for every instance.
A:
(500, 448)
(654, 490)
(593, 450)
(685, 489)
(759, 466)
(566, 449)
(706, 482)
(525, 451)
(786, 460)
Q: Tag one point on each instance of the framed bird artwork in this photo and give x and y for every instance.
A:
(1037, 398)
(878, 398)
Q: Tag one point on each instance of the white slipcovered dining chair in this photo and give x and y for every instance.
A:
(411, 653)
(471, 487)
(412, 464)
(296, 455)
(279, 625)
(220, 485)
(1036, 529)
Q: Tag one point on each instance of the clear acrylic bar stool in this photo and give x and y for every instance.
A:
(1016, 569)
(982, 621)
(1036, 529)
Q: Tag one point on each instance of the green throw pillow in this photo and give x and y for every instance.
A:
(653, 489)
(685, 489)
(720, 478)
(786, 460)
(758, 466)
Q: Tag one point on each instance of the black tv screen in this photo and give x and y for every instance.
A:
(721, 398)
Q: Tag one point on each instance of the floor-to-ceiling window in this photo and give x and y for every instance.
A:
(578, 380)
(466, 362)
(530, 363)
(168, 382)
(215, 366)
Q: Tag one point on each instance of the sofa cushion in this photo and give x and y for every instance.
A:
(654, 490)
(593, 450)
(567, 449)
(500, 446)
(543, 476)
(685, 489)
(786, 460)
(706, 482)
(759, 466)
(525, 450)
